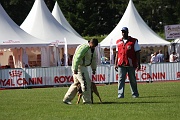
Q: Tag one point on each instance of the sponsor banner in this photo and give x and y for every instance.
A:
(141, 75)
(59, 75)
(63, 75)
(35, 74)
(12, 78)
(170, 71)
(112, 74)
(47, 76)
(172, 31)
(102, 74)
(153, 72)
(20, 78)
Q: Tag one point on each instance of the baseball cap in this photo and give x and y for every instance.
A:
(125, 29)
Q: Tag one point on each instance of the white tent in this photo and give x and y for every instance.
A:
(177, 41)
(175, 46)
(11, 35)
(58, 15)
(41, 24)
(137, 29)
(14, 38)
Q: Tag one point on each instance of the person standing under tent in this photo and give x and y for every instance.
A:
(84, 56)
(173, 57)
(154, 58)
(160, 56)
(127, 61)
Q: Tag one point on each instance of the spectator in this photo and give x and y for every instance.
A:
(70, 60)
(63, 60)
(26, 66)
(173, 57)
(160, 56)
(154, 58)
(151, 57)
(8, 66)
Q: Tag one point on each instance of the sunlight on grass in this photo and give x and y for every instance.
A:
(157, 101)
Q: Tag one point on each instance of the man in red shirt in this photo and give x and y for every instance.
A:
(127, 61)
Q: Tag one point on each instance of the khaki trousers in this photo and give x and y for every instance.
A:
(83, 78)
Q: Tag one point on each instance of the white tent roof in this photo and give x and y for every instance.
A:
(11, 35)
(177, 40)
(137, 29)
(58, 15)
(41, 24)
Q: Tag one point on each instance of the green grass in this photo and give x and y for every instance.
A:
(157, 101)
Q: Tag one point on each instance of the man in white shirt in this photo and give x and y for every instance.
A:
(173, 57)
(154, 58)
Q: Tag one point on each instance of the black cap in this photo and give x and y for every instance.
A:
(124, 29)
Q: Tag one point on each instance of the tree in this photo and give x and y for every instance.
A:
(99, 17)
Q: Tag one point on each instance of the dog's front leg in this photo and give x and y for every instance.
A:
(79, 98)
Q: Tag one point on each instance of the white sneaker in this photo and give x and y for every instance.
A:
(134, 96)
(67, 102)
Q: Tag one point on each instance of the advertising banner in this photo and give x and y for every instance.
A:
(172, 31)
(21, 78)
(62, 75)
(141, 75)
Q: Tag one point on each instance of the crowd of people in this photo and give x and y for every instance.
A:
(158, 57)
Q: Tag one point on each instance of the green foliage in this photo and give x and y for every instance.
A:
(161, 34)
(92, 17)
(157, 101)
(100, 37)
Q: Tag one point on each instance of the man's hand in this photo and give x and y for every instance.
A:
(75, 72)
(116, 68)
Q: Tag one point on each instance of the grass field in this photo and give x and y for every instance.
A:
(157, 101)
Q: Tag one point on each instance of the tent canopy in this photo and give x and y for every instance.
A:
(177, 40)
(41, 24)
(137, 29)
(11, 35)
(58, 15)
(175, 45)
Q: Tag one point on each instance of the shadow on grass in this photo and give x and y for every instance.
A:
(130, 102)
(159, 96)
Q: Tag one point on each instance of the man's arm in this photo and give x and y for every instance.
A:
(80, 53)
(94, 63)
(137, 53)
(116, 62)
(138, 59)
